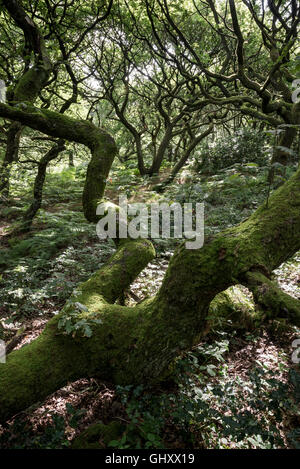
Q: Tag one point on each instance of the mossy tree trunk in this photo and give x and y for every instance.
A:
(282, 152)
(93, 336)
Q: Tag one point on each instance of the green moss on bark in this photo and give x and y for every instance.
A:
(271, 301)
(96, 176)
(232, 305)
(31, 83)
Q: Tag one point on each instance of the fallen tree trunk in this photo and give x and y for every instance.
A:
(92, 336)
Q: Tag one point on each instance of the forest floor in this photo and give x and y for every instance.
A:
(238, 389)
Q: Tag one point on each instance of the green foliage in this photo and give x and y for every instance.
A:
(42, 271)
(73, 322)
(209, 409)
(23, 435)
(244, 146)
(146, 418)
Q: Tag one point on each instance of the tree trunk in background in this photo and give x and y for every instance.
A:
(287, 137)
(71, 160)
(285, 140)
(11, 155)
(38, 186)
(184, 158)
(161, 151)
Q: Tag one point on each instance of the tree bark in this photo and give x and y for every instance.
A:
(11, 155)
(181, 162)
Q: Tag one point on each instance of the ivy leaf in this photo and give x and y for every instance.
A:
(68, 326)
(87, 331)
(80, 306)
